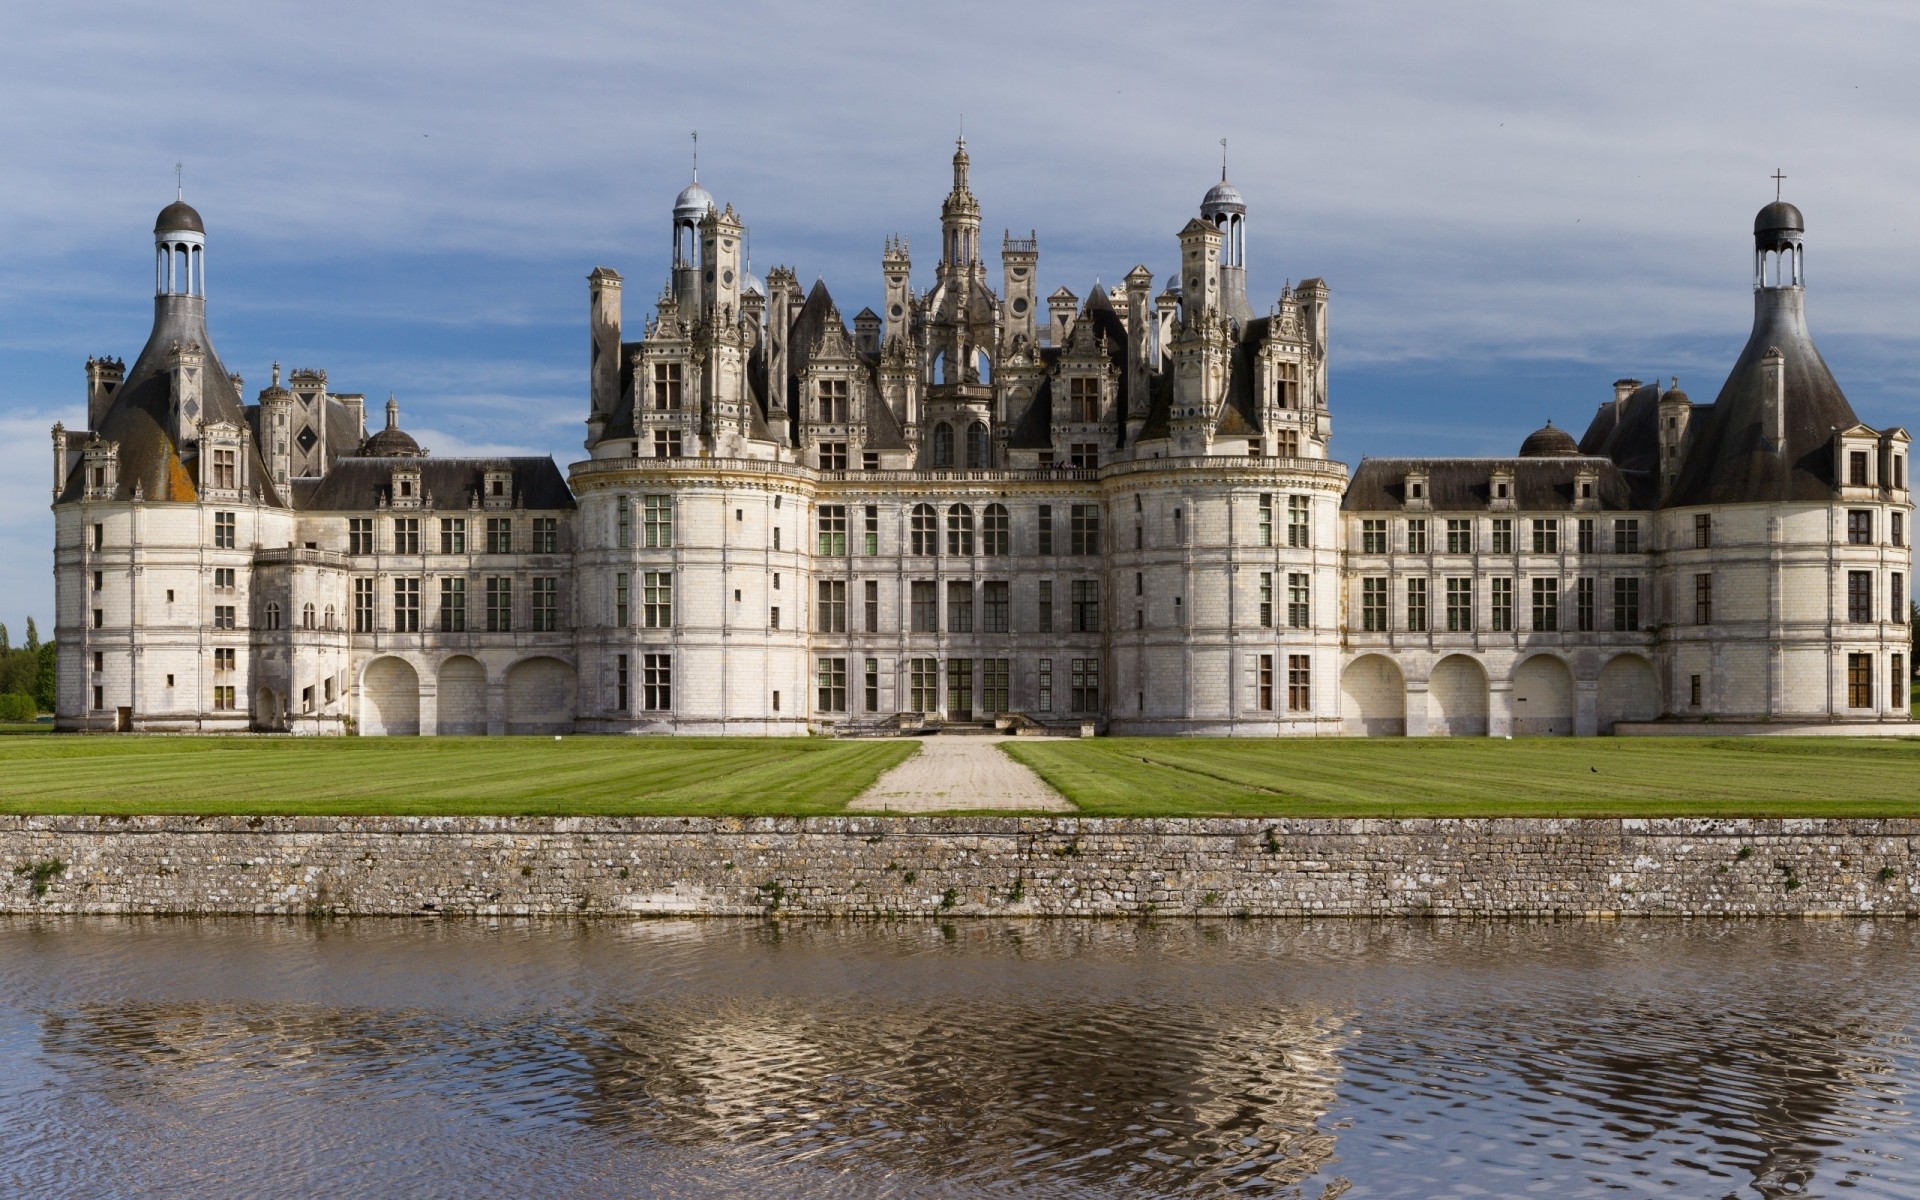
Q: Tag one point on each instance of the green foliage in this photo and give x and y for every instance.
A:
(27, 670)
(15, 707)
(41, 874)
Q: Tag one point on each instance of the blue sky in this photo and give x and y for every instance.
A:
(1514, 203)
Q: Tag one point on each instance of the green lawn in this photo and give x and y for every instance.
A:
(496, 776)
(1527, 777)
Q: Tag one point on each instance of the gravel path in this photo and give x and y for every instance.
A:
(959, 772)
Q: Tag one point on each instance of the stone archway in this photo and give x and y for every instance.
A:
(1457, 698)
(540, 696)
(1629, 691)
(462, 707)
(389, 698)
(1373, 697)
(1543, 698)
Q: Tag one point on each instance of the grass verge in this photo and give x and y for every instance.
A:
(578, 776)
(1438, 777)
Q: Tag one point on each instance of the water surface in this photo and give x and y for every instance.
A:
(260, 1058)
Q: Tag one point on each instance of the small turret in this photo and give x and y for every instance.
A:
(603, 348)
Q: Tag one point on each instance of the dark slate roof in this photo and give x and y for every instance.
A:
(883, 429)
(1726, 462)
(137, 418)
(178, 216)
(1240, 415)
(808, 326)
(1159, 407)
(1549, 441)
(620, 420)
(358, 484)
(1035, 428)
(1462, 484)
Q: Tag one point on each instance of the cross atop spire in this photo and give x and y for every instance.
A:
(1777, 179)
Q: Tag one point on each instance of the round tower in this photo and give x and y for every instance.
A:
(1779, 233)
(180, 244)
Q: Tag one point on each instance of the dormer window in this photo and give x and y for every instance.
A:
(1857, 468)
(1286, 389)
(666, 385)
(406, 487)
(1083, 399)
(832, 394)
(1500, 491)
(225, 475)
(1416, 491)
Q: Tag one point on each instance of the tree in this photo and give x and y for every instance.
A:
(46, 686)
(33, 635)
(5, 644)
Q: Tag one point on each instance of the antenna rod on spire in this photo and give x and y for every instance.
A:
(696, 156)
(179, 189)
(1223, 160)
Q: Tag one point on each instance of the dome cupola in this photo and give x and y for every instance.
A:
(391, 442)
(1779, 254)
(1549, 442)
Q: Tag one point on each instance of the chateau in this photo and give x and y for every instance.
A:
(1120, 512)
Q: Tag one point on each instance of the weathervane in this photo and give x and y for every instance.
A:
(1777, 178)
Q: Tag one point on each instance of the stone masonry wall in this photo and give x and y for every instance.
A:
(956, 867)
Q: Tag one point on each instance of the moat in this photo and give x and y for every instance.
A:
(278, 1057)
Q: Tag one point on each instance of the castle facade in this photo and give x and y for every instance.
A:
(1119, 512)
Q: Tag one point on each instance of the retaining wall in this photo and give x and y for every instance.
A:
(956, 866)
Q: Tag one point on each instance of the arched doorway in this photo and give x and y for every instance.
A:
(1543, 698)
(266, 709)
(540, 696)
(1457, 698)
(1373, 697)
(1629, 691)
(462, 705)
(389, 698)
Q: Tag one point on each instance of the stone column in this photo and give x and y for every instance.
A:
(1586, 708)
(1499, 708)
(1419, 702)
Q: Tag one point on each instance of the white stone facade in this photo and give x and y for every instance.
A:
(1119, 513)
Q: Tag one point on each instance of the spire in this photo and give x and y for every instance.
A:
(960, 164)
(1223, 160)
(393, 412)
(179, 186)
(696, 156)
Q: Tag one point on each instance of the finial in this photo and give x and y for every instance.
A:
(179, 189)
(276, 372)
(1676, 382)
(393, 412)
(963, 130)
(1777, 178)
(1223, 160)
(696, 156)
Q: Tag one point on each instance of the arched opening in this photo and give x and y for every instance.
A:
(960, 530)
(1373, 697)
(307, 618)
(982, 367)
(332, 617)
(1457, 698)
(462, 709)
(943, 445)
(1543, 698)
(389, 698)
(540, 696)
(266, 709)
(978, 451)
(273, 615)
(1629, 691)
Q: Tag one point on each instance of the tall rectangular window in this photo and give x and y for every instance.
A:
(406, 535)
(830, 606)
(1266, 520)
(453, 604)
(1299, 521)
(870, 600)
(1373, 604)
(833, 685)
(960, 531)
(666, 443)
(620, 683)
(994, 603)
(1703, 598)
(1459, 535)
(1416, 606)
(623, 522)
(1502, 535)
(1859, 596)
(1896, 529)
(363, 605)
(1085, 530)
(1373, 536)
(406, 606)
(1859, 527)
(923, 680)
(656, 599)
(870, 545)
(925, 608)
(1266, 599)
(546, 603)
(959, 606)
(1857, 468)
(1626, 605)
(453, 535)
(1702, 530)
(1083, 399)
(873, 685)
(1626, 536)
(546, 535)
(1901, 699)
(1043, 695)
(223, 617)
(925, 530)
(225, 532)
(1859, 681)
(1459, 605)
(622, 601)
(1086, 605)
(657, 521)
(1044, 526)
(996, 535)
(1299, 601)
(499, 535)
(499, 604)
(360, 535)
(226, 469)
(1583, 535)
(996, 677)
(1417, 536)
(1299, 683)
(833, 456)
(1085, 685)
(1263, 684)
(1897, 596)
(1500, 619)
(1546, 604)
(1286, 385)
(1546, 536)
(833, 401)
(960, 688)
(1043, 618)
(656, 682)
(666, 386)
(1583, 604)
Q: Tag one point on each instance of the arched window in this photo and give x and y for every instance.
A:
(943, 445)
(977, 446)
(306, 617)
(273, 615)
(994, 536)
(331, 617)
(960, 530)
(926, 529)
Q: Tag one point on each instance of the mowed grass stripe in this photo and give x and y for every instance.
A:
(1586, 777)
(423, 776)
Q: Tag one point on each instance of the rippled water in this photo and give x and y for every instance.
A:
(1309, 1059)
